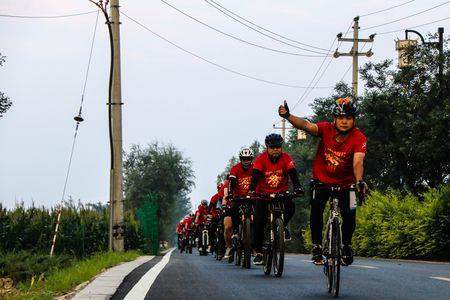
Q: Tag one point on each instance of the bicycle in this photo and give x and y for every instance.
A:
(273, 245)
(332, 242)
(220, 242)
(243, 251)
(204, 237)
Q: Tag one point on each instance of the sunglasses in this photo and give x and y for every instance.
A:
(246, 158)
(275, 147)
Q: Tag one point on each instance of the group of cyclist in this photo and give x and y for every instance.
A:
(338, 163)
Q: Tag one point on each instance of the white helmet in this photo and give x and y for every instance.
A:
(246, 153)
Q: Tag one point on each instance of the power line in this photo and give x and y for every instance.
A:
(78, 119)
(413, 15)
(237, 38)
(386, 9)
(47, 17)
(410, 27)
(223, 9)
(308, 91)
(213, 63)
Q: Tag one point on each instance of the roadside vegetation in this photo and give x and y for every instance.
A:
(405, 115)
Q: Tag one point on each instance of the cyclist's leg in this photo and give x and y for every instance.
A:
(260, 223)
(318, 201)
(234, 212)
(348, 226)
(289, 210)
(348, 217)
(228, 227)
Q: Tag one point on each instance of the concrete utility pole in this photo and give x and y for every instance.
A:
(116, 190)
(283, 128)
(354, 52)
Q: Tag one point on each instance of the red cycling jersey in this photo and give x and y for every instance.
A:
(275, 175)
(214, 199)
(202, 212)
(180, 227)
(243, 178)
(225, 185)
(333, 164)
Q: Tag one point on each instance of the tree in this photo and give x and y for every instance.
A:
(5, 103)
(164, 172)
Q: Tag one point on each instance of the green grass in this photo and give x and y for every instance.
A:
(62, 281)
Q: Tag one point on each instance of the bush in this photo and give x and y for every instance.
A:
(22, 266)
(394, 226)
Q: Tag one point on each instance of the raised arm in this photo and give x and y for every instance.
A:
(297, 122)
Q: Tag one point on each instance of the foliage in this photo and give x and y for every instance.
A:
(395, 226)
(61, 280)
(5, 102)
(83, 229)
(163, 171)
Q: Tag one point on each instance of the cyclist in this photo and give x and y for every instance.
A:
(239, 182)
(200, 218)
(212, 210)
(179, 232)
(270, 175)
(338, 162)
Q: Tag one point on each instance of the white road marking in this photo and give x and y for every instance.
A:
(141, 288)
(441, 278)
(365, 267)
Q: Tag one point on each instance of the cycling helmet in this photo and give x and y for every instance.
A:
(344, 107)
(204, 202)
(191, 215)
(246, 153)
(274, 139)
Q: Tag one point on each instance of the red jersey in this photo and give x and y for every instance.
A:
(243, 178)
(225, 185)
(187, 222)
(202, 212)
(333, 164)
(213, 201)
(180, 227)
(275, 175)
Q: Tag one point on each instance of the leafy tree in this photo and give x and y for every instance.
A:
(5, 103)
(161, 170)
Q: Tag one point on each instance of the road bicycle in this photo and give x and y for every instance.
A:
(243, 244)
(273, 245)
(332, 241)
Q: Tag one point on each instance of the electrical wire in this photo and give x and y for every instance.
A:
(308, 91)
(74, 136)
(237, 38)
(386, 9)
(235, 17)
(409, 16)
(216, 64)
(47, 17)
(411, 27)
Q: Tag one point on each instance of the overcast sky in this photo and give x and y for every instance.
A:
(169, 95)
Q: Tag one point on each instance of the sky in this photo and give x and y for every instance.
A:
(169, 95)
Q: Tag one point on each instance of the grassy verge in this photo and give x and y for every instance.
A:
(62, 281)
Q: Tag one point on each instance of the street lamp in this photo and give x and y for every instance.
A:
(401, 46)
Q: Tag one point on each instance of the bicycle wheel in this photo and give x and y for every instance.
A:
(267, 256)
(335, 257)
(278, 247)
(247, 243)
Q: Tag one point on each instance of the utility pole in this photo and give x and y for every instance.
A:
(301, 135)
(116, 197)
(354, 52)
(283, 128)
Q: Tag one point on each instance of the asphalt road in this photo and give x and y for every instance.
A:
(190, 276)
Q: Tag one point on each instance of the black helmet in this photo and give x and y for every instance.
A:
(344, 107)
(204, 202)
(274, 139)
